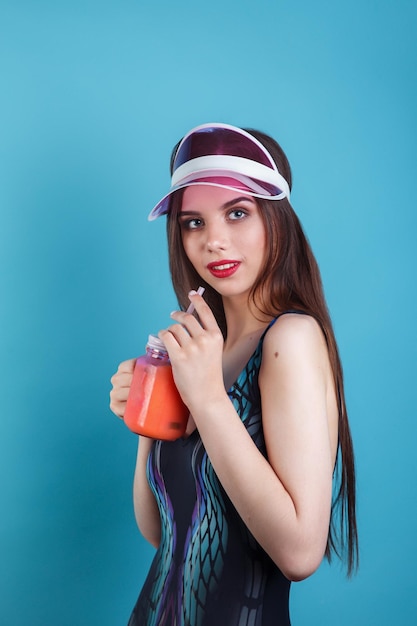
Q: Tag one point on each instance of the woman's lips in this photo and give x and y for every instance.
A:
(223, 269)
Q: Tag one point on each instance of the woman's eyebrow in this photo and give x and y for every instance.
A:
(224, 206)
(230, 203)
(185, 213)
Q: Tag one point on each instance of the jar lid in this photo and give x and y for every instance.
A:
(156, 344)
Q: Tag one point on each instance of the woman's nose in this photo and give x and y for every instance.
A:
(216, 237)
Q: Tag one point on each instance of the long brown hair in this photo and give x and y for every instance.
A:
(289, 280)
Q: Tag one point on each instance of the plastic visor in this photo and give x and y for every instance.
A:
(212, 153)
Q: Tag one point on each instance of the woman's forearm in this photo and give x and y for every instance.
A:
(145, 506)
(293, 535)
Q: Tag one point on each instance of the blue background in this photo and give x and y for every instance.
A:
(93, 96)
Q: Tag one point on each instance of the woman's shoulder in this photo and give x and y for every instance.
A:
(294, 333)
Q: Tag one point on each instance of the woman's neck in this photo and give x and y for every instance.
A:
(243, 321)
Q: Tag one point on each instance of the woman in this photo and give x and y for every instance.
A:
(242, 505)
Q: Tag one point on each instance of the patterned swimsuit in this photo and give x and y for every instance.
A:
(209, 570)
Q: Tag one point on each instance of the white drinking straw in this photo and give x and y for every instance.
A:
(200, 292)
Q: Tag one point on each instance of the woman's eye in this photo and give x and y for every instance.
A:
(191, 224)
(237, 214)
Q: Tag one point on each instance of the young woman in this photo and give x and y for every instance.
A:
(263, 485)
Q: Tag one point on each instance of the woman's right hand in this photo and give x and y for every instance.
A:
(121, 382)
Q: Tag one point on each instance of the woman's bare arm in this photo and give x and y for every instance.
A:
(285, 501)
(145, 507)
(144, 503)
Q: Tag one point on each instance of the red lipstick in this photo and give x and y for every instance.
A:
(223, 268)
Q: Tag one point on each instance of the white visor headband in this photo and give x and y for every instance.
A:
(214, 153)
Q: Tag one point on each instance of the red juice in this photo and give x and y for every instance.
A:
(154, 406)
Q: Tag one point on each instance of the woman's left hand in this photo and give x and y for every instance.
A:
(195, 350)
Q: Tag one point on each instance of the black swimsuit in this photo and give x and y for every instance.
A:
(209, 570)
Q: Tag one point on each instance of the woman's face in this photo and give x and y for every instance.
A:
(224, 237)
